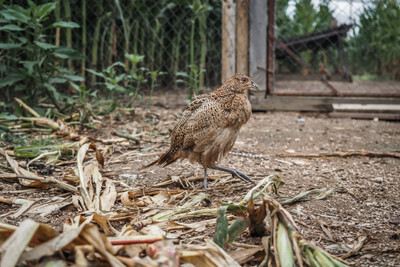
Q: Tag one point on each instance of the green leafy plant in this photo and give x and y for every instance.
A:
(112, 82)
(153, 78)
(374, 49)
(136, 76)
(32, 61)
(116, 80)
(192, 80)
(85, 101)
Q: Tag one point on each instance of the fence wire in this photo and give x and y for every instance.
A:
(180, 38)
(183, 38)
(349, 45)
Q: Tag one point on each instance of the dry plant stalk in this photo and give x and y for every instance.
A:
(288, 245)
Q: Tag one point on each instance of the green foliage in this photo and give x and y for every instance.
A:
(16, 139)
(304, 17)
(307, 18)
(185, 29)
(85, 102)
(372, 48)
(117, 81)
(171, 37)
(282, 19)
(192, 80)
(375, 48)
(153, 79)
(32, 61)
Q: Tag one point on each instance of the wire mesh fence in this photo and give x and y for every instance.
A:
(180, 38)
(351, 46)
(346, 41)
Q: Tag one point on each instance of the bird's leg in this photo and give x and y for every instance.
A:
(234, 172)
(205, 178)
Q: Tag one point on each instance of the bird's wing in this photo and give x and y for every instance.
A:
(179, 131)
(203, 125)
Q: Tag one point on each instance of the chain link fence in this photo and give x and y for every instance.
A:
(329, 40)
(179, 38)
(349, 45)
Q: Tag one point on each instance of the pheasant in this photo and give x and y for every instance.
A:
(210, 125)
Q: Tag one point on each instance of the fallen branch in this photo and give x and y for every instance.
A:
(28, 108)
(342, 154)
(317, 155)
(131, 138)
(361, 242)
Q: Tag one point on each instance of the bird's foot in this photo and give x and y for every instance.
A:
(236, 173)
(205, 184)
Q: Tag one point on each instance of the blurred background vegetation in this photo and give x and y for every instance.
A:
(91, 54)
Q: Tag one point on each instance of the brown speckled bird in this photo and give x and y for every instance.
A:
(210, 125)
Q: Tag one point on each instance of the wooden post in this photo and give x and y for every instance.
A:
(242, 36)
(228, 38)
(270, 47)
(258, 42)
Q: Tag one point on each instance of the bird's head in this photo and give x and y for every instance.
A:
(241, 83)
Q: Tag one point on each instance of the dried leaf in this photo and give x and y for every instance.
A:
(256, 217)
(14, 246)
(132, 250)
(47, 208)
(322, 193)
(271, 180)
(126, 199)
(26, 204)
(109, 196)
(243, 256)
(99, 156)
(103, 222)
(82, 178)
(210, 255)
(173, 214)
(22, 172)
(55, 244)
(92, 235)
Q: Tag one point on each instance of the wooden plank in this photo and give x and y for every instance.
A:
(381, 116)
(258, 42)
(228, 38)
(270, 47)
(309, 103)
(356, 107)
(242, 36)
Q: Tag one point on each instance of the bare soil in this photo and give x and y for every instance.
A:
(365, 204)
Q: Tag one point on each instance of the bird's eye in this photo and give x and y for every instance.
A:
(244, 80)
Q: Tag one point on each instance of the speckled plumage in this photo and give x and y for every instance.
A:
(210, 124)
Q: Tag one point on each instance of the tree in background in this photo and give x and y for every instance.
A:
(375, 48)
(307, 18)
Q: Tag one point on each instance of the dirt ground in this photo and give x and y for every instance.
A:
(365, 204)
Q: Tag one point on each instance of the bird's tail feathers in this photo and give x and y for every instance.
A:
(164, 160)
(149, 165)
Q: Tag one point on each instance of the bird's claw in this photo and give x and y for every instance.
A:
(236, 173)
(242, 176)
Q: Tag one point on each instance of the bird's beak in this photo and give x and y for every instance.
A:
(254, 87)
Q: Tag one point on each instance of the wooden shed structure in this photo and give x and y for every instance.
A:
(249, 46)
